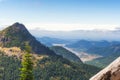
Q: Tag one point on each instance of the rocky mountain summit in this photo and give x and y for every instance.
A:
(17, 35)
(111, 72)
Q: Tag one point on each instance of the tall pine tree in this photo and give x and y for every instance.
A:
(27, 66)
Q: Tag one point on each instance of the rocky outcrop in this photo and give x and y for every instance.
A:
(112, 72)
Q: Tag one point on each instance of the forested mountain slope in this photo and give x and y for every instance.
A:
(65, 53)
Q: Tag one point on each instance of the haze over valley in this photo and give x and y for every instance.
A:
(95, 35)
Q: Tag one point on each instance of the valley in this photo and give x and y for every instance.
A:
(82, 55)
(97, 53)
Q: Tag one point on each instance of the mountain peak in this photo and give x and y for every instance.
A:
(111, 72)
(19, 26)
(17, 23)
(17, 35)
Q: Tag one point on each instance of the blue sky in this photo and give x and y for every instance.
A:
(61, 14)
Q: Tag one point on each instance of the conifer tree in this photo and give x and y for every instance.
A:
(27, 66)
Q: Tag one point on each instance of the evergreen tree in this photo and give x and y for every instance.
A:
(27, 66)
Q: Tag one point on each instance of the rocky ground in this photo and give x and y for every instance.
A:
(112, 72)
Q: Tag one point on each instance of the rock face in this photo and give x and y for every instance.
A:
(17, 35)
(112, 72)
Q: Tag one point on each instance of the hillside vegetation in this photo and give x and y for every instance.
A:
(46, 68)
(65, 53)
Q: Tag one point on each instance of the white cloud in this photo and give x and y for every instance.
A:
(70, 27)
(64, 27)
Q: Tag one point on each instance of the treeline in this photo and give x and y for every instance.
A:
(9, 67)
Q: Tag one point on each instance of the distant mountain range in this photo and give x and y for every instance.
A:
(50, 41)
(110, 50)
(80, 34)
(103, 47)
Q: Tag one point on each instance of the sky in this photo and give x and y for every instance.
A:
(61, 15)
